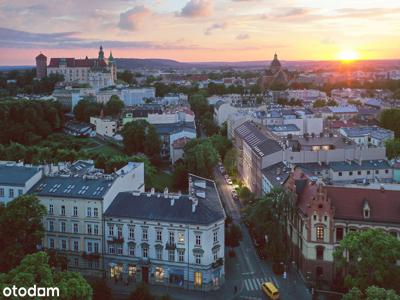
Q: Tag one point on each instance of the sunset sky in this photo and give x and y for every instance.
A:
(200, 30)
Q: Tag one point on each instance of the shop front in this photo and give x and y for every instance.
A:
(176, 277)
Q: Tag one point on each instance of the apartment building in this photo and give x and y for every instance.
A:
(75, 203)
(167, 239)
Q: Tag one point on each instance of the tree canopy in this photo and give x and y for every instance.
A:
(34, 269)
(201, 157)
(114, 106)
(369, 258)
(390, 119)
(87, 108)
(21, 229)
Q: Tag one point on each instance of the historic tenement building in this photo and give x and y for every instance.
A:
(322, 215)
(167, 239)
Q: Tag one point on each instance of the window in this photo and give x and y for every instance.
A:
(131, 232)
(325, 218)
(159, 235)
(144, 234)
(340, 173)
(111, 249)
(51, 225)
(20, 191)
(171, 255)
(76, 246)
(119, 249)
(75, 211)
(181, 237)
(132, 250)
(119, 231)
(215, 236)
(198, 258)
(159, 253)
(96, 229)
(339, 234)
(315, 217)
(350, 173)
(198, 279)
(62, 226)
(89, 228)
(145, 252)
(89, 212)
(320, 252)
(376, 171)
(75, 225)
(51, 209)
(76, 262)
(386, 171)
(181, 255)
(51, 243)
(63, 244)
(358, 172)
(96, 247)
(320, 232)
(198, 239)
(1, 192)
(63, 210)
(366, 213)
(11, 192)
(110, 229)
(95, 212)
(171, 237)
(89, 247)
(368, 172)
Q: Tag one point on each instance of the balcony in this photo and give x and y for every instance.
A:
(170, 246)
(90, 256)
(218, 263)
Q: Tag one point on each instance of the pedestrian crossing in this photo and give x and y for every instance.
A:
(254, 284)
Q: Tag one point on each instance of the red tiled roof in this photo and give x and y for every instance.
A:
(348, 203)
(77, 63)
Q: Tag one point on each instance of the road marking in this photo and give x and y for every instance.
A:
(246, 284)
(275, 282)
(248, 273)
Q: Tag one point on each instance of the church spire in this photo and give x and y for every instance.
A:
(101, 53)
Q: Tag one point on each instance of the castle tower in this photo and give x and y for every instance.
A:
(41, 66)
(112, 65)
(101, 53)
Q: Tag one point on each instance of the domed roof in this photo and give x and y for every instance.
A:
(275, 62)
(41, 56)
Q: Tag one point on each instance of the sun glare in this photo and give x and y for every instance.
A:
(348, 55)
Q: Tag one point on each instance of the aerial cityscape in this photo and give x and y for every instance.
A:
(200, 149)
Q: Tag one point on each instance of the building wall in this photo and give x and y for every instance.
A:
(187, 242)
(104, 127)
(132, 97)
(384, 174)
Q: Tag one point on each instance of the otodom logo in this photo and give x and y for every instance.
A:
(33, 291)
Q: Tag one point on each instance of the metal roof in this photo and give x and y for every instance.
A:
(16, 175)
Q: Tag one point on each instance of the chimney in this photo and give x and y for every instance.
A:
(194, 203)
(382, 188)
(166, 192)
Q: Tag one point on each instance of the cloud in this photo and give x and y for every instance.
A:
(215, 26)
(243, 36)
(293, 12)
(197, 8)
(132, 19)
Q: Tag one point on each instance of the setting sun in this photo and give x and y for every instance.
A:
(348, 55)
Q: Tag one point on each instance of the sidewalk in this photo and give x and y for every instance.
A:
(226, 292)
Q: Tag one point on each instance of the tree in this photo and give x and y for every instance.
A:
(134, 134)
(319, 103)
(34, 269)
(114, 106)
(371, 293)
(233, 236)
(141, 293)
(393, 148)
(101, 291)
(87, 108)
(21, 229)
(201, 157)
(390, 119)
(180, 176)
(221, 144)
(369, 258)
(152, 143)
(230, 162)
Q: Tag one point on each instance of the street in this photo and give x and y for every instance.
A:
(253, 270)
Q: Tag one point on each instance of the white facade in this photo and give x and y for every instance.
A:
(104, 126)
(132, 97)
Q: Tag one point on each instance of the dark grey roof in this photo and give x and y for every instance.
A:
(72, 187)
(373, 131)
(277, 173)
(157, 207)
(256, 139)
(313, 169)
(171, 128)
(283, 128)
(354, 166)
(16, 175)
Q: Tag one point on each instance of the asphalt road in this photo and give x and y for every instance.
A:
(255, 271)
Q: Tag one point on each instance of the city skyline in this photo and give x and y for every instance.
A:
(200, 30)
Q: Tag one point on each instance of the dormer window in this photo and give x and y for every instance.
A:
(366, 210)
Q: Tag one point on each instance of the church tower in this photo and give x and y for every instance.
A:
(101, 53)
(113, 67)
(275, 66)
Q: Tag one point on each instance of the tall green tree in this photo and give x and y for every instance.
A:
(34, 269)
(152, 143)
(180, 176)
(87, 108)
(229, 162)
(371, 293)
(201, 157)
(390, 119)
(134, 134)
(21, 229)
(393, 148)
(114, 106)
(369, 257)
